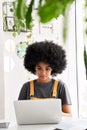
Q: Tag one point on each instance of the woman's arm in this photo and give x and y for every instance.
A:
(66, 110)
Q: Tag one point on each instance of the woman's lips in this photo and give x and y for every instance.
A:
(43, 76)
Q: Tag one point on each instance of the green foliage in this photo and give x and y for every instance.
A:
(29, 15)
(85, 36)
(52, 9)
(85, 59)
(47, 10)
(21, 9)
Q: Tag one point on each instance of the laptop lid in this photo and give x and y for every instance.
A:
(38, 111)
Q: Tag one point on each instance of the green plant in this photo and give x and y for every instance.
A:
(46, 10)
(85, 60)
(85, 36)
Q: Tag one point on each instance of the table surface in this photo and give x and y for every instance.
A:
(65, 124)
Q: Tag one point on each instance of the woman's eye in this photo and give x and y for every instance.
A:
(47, 69)
(39, 68)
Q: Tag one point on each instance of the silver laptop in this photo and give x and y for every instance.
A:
(38, 111)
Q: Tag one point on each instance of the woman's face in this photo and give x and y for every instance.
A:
(43, 71)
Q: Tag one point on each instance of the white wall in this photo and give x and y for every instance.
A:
(1, 68)
(10, 82)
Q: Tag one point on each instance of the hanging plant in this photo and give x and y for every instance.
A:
(46, 10)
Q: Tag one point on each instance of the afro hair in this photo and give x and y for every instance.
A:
(47, 52)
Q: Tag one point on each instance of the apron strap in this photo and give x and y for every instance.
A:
(31, 88)
(55, 86)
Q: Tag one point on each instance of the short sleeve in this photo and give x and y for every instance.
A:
(23, 92)
(63, 94)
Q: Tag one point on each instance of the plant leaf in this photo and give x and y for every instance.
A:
(85, 57)
(29, 15)
(52, 9)
(21, 9)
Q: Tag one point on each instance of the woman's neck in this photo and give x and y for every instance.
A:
(43, 81)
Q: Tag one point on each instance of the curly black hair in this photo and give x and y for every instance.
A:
(47, 52)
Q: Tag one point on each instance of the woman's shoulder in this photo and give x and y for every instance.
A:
(28, 83)
(59, 81)
(61, 84)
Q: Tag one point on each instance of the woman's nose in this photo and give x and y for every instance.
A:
(43, 71)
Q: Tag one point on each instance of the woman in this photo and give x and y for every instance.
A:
(46, 59)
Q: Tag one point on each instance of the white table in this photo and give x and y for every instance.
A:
(65, 124)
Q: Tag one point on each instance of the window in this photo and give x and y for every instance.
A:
(81, 72)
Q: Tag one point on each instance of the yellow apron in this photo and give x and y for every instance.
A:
(54, 94)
